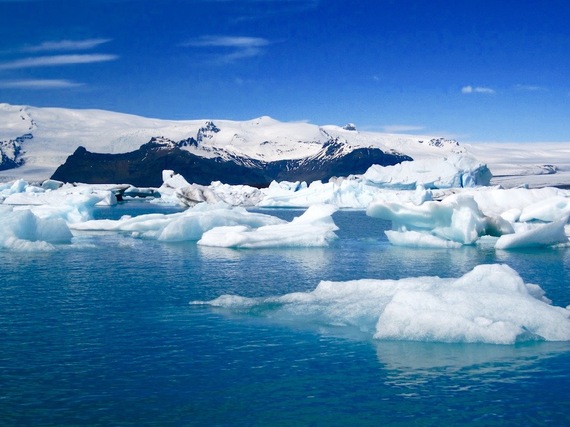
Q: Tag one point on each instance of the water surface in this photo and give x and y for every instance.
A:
(101, 333)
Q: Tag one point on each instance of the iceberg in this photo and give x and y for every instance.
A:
(453, 172)
(22, 230)
(548, 210)
(536, 235)
(73, 203)
(498, 201)
(453, 222)
(490, 304)
(354, 191)
(234, 195)
(517, 217)
(220, 225)
(175, 189)
(313, 228)
(189, 225)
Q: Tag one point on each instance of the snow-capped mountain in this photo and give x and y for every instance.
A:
(34, 142)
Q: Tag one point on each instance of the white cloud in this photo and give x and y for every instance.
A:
(63, 45)
(56, 60)
(228, 41)
(240, 47)
(478, 89)
(39, 84)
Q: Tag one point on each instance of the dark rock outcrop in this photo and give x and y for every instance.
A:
(143, 167)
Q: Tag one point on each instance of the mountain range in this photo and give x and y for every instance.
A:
(96, 146)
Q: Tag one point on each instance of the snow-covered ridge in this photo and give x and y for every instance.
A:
(52, 134)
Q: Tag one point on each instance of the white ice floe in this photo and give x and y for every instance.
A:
(380, 182)
(72, 203)
(355, 191)
(498, 201)
(422, 217)
(464, 217)
(22, 230)
(452, 222)
(189, 225)
(535, 235)
(314, 228)
(225, 226)
(176, 189)
(452, 172)
(490, 304)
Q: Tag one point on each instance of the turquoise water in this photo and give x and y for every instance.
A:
(101, 332)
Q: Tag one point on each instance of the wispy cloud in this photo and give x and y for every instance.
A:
(240, 47)
(66, 45)
(477, 89)
(530, 88)
(229, 41)
(56, 60)
(402, 128)
(39, 84)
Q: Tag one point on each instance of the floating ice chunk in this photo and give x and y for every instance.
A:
(173, 180)
(294, 196)
(194, 194)
(201, 219)
(456, 219)
(314, 228)
(8, 188)
(51, 184)
(72, 203)
(351, 192)
(237, 195)
(233, 195)
(495, 201)
(189, 225)
(547, 210)
(21, 230)
(490, 304)
(452, 172)
(536, 235)
(175, 189)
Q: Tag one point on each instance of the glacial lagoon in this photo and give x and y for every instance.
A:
(104, 331)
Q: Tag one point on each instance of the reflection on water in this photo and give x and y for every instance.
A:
(407, 359)
(474, 372)
(313, 259)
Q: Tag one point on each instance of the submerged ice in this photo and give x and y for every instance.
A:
(490, 304)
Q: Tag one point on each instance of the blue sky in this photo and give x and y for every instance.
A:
(472, 70)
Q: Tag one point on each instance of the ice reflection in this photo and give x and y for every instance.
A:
(411, 364)
(307, 259)
(397, 262)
